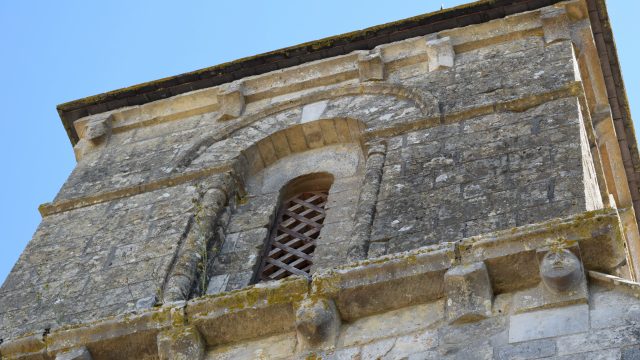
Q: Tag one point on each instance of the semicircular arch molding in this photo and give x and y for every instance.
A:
(374, 105)
(300, 138)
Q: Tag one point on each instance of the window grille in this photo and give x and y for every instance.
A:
(293, 237)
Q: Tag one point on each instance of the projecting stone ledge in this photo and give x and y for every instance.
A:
(462, 273)
(469, 293)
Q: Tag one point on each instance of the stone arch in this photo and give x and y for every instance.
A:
(326, 146)
(423, 103)
(423, 100)
(300, 138)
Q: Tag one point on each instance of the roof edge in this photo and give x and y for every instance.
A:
(365, 39)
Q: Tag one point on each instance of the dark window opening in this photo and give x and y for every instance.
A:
(292, 241)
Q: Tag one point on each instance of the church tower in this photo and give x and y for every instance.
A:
(462, 184)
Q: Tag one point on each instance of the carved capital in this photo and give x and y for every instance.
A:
(377, 148)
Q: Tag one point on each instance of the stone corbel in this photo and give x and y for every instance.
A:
(93, 131)
(440, 52)
(370, 66)
(555, 24)
(182, 343)
(562, 281)
(231, 100)
(317, 324)
(469, 293)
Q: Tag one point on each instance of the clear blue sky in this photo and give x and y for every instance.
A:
(57, 51)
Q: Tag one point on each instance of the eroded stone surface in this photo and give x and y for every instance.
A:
(469, 293)
(485, 131)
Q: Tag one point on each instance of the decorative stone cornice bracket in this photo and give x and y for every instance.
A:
(371, 67)
(555, 24)
(232, 100)
(440, 52)
(93, 131)
(469, 293)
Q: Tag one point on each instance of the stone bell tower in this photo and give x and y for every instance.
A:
(458, 185)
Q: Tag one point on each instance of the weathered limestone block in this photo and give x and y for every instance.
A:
(231, 100)
(97, 129)
(181, 344)
(75, 354)
(370, 67)
(548, 323)
(317, 323)
(469, 293)
(440, 52)
(555, 24)
(94, 128)
(539, 297)
(261, 310)
(413, 319)
(82, 148)
(390, 280)
(27, 347)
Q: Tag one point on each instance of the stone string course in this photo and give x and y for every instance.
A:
(411, 302)
(456, 157)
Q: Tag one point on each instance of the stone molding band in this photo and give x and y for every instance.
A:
(572, 90)
(316, 309)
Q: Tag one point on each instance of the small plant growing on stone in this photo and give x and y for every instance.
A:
(559, 244)
(558, 248)
(560, 269)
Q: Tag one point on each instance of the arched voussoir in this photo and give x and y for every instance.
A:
(299, 138)
(373, 104)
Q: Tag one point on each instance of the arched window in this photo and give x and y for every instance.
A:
(292, 240)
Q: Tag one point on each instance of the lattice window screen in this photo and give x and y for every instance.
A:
(293, 238)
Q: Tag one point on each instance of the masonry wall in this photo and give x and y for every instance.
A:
(607, 328)
(484, 174)
(493, 142)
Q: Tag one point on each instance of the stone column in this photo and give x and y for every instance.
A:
(365, 212)
(185, 270)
